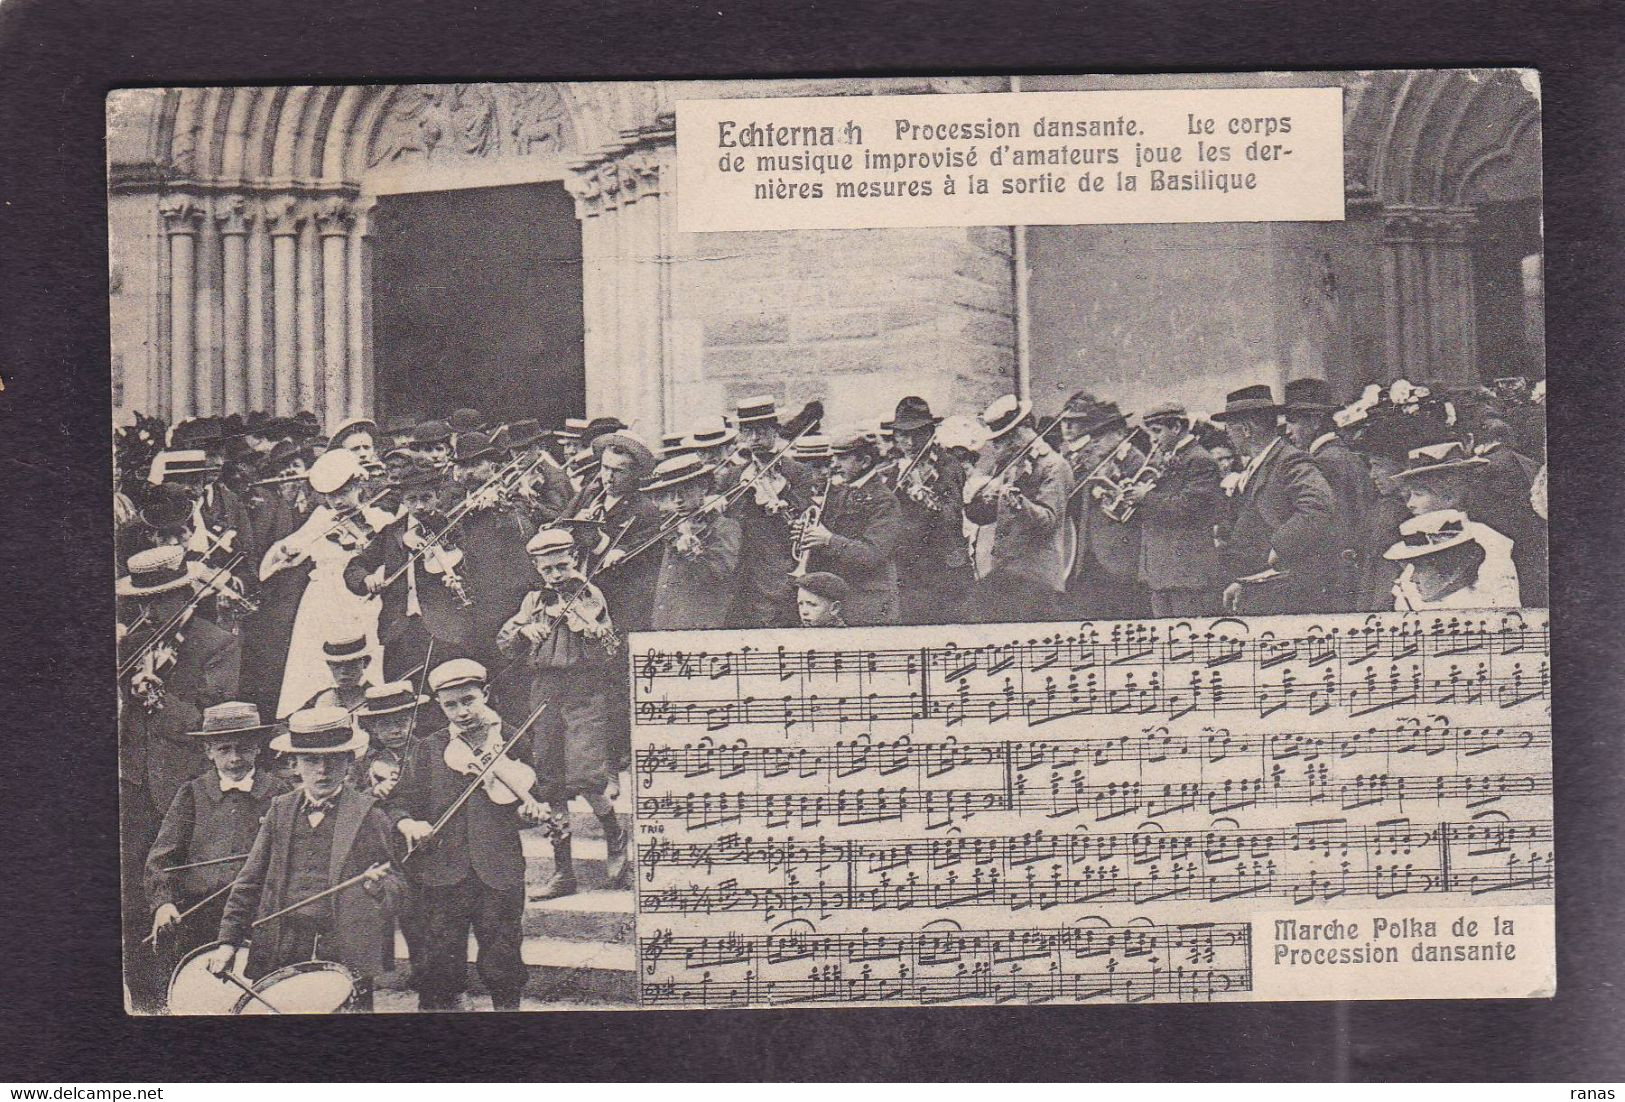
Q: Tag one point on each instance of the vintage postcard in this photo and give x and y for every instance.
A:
(825, 542)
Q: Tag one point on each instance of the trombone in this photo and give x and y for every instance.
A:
(1112, 492)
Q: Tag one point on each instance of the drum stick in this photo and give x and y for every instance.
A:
(190, 911)
(232, 977)
(206, 864)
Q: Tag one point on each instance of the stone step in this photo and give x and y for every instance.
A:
(604, 915)
(574, 972)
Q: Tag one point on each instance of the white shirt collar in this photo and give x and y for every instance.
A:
(244, 785)
(1257, 462)
(1321, 441)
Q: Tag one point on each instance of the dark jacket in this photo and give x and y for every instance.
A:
(1104, 544)
(866, 524)
(1354, 495)
(1176, 522)
(498, 572)
(204, 823)
(766, 598)
(362, 934)
(1285, 507)
(697, 591)
(156, 748)
(931, 551)
(630, 587)
(482, 839)
(442, 616)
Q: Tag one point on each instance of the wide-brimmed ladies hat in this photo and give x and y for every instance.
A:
(324, 729)
(334, 470)
(1430, 534)
(1450, 455)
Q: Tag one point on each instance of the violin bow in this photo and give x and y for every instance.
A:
(128, 666)
(479, 778)
(1026, 448)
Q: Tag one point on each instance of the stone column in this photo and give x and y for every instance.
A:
(283, 218)
(183, 217)
(335, 217)
(234, 219)
(360, 318)
(261, 388)
(1428, 295)
(626, 251)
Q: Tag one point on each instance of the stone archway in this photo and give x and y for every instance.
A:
(1435, 149)
(256, 202)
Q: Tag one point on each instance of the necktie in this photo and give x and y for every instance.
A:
(244, 785)
(316, 812)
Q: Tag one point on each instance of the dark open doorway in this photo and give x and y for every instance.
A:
(476, 299)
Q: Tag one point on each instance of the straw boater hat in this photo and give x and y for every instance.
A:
(1249, 399)
(1310, 396)
(822, 583)
(959, 431)
(1431, 534)
(716, 433)
(1004, 414)
(179, 464)
(458, 671)
(233, 719)
(334, 470)
(756, 410)
(345, 650)
(390, 698)
(157, 570)
(677, 471)
(324, 729)
(812, 448)
(1451, 455)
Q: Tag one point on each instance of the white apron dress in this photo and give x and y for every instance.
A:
(327, 611)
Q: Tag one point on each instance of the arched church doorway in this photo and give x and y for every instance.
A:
(477, 301)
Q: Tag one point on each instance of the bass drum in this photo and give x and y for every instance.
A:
(193, 989)
(309, 987)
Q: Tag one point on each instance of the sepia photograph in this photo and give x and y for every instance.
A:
(822, 542)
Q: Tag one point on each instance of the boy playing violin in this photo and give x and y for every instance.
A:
(563, 631)
(473, 875)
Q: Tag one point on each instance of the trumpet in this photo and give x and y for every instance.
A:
(810, 517)
(1112, 491)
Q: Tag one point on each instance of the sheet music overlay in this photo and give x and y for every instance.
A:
(1352, 806)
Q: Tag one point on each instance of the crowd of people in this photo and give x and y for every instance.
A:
(371, 656)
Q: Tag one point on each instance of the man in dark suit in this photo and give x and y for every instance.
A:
(765, 512)
(473, 877)
(495, 567)
(933, 563)
(857, 535)
(1178, 561)
(417, 605)
(1281, 547)
(312, 840)
(1104, 582)
(1308, 422)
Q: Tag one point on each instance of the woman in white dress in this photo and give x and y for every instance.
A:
(336, 530)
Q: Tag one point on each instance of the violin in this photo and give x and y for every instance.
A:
(769, 489)
(437, 559)
(157, 655)
(506, 780)
(918, 480)
(688, 539)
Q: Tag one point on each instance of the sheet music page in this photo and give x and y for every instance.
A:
(1288, 807)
